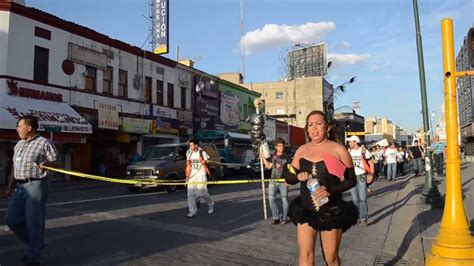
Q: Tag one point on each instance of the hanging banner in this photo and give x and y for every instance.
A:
(160, 26)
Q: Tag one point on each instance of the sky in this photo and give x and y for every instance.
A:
(373, 40)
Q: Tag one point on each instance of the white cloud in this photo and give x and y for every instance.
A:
(378, 67)
(343, 45)
(347, 59)
(272, 35)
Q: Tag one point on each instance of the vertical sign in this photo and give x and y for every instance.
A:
(108, 116)
(160, 26)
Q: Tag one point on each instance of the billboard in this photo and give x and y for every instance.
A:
(307, 61)
(160, 20)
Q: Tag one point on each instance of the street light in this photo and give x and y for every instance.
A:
(432, 129)
(205, 83)
(329, 105)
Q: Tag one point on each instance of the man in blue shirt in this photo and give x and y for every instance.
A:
(437, 147)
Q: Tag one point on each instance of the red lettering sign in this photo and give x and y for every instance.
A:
(31, 93)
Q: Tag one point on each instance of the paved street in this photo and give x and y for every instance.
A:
(91, 223)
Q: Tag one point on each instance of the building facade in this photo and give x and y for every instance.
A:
(291, 101)
(98, 98)
(349, 122)
(232, 93)
(464, 85)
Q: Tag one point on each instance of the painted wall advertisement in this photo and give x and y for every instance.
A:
(229, 109)
(212, 114)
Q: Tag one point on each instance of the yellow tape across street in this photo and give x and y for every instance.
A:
(161, 182)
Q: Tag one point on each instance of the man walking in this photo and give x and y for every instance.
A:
(27, 187)
(438, 148)
(196, 170)
(391, 155)
(416, 153)
(359, 192)
(278, 162)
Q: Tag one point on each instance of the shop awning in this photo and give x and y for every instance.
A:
(52, 116)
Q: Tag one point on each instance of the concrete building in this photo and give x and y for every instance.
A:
(380, 128)
(465, 85)
(102, 98)
(290, 101)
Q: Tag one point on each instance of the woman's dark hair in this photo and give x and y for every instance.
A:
(30, 120)
(332, 131)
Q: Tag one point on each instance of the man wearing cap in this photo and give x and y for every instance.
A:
(359, 192)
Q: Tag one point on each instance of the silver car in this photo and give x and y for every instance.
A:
(168, 162)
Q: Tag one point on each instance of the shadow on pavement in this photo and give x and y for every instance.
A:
(426, 219)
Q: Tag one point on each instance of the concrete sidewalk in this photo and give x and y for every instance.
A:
(411, 227)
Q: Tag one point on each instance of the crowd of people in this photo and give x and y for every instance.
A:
(323, 167)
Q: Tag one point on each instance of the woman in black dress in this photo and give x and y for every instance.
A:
(335, 216)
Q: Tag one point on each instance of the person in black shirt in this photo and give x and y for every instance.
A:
(278, 162)
(311, 216)
(416, 154)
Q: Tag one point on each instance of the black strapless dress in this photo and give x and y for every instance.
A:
(335, 214)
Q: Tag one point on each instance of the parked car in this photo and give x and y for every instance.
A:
(168, 162)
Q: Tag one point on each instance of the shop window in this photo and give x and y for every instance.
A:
(148, 81)
(107, 80)
(90, 76)
(159, 92)
(123, 83)
(41, 64)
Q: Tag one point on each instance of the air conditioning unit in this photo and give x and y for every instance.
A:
(137, 82)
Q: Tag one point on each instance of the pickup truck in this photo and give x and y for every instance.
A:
(168, 162)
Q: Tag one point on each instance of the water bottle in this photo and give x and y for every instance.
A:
(313, 185)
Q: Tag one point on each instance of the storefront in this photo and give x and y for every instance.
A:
(57, 121)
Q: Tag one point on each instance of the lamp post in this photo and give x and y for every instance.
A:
(204, 84)
(329, 105)
(432, 197)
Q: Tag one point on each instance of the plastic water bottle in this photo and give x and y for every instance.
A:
(313, 185)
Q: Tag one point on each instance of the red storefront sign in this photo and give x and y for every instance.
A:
(32, 93)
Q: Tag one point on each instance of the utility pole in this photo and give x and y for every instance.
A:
(432, 197)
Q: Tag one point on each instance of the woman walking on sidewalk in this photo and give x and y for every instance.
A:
(322, 209)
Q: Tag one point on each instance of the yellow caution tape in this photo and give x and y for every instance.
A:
(161, 182)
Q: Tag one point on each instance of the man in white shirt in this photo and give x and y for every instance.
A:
(391, 154)
(196, 162)
(359, 192)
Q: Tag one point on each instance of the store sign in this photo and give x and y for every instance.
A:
(136, 125)
(86, 56)
(52, 117)
(15, 90)
(108, 116)
(160, 26)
